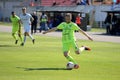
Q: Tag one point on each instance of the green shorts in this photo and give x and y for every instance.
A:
(15, 29)
(68, 45)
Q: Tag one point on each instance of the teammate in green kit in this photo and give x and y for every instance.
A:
(16, 27)
(68, 39)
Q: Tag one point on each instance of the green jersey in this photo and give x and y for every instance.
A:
(15, 21)
(68, 30)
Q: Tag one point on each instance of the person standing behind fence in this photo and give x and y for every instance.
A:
(34, 23)
(78, 20)
(43, 22)
(26, 19)
(16, 27)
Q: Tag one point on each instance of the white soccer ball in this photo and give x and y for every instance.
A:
(70, 65)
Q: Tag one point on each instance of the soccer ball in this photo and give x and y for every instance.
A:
(70, 65)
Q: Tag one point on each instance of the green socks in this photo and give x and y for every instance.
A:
(69, 58)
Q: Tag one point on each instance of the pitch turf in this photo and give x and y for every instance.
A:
(45, 61)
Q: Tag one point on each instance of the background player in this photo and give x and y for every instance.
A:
(16, 27)
(68, 39)
(26, 19)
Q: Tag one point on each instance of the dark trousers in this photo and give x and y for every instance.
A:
(43, 26)
(33, 28)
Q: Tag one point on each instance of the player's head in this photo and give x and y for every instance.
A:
(34, 13)
(24, 10)
(68, 17)
(13, 13)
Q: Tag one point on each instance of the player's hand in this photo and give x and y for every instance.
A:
(90, 38)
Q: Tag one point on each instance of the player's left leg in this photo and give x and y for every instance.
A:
(15, 37)
(14, 34)
(79, 50)
(20, 36)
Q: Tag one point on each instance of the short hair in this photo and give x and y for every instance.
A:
(12, 12)
(23, 8)
(69, 15)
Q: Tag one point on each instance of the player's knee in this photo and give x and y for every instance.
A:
(65, 54)
(12, 34)
(77, 52)
(19, 35)
(26, 34)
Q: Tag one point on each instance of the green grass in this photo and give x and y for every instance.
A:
(45, 61)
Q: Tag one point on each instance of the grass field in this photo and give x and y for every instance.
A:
(45, 61)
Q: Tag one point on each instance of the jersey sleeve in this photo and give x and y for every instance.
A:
(60, 26)
(17, 18)
(75, 26)
(30, 15)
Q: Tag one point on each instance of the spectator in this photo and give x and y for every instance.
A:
(50, 23)
(43, 22)
(118, 1)
(114, 3)
(88, 2)
(110, 22)
(34, 23)
(78, 20)
(54, 3)
(81, 2)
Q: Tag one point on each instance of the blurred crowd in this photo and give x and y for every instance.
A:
(46, 21)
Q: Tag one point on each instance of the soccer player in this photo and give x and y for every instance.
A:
(26, 19)
(16, 27)
(68, 39)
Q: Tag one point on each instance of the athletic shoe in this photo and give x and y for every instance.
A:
(22, 44)
(76, 66)
(16, 41)
(33, 41)
(87, 48)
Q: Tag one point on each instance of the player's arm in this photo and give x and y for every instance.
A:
(19, 22)
(31, 19)
(84, 33)
(50, 30)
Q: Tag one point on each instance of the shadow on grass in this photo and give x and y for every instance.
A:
(7, 45)
(31, 69)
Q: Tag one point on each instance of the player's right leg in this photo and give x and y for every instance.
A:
(31, 37)
(69, 58)
(28, 34)
(20, 35)
(15, 37)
